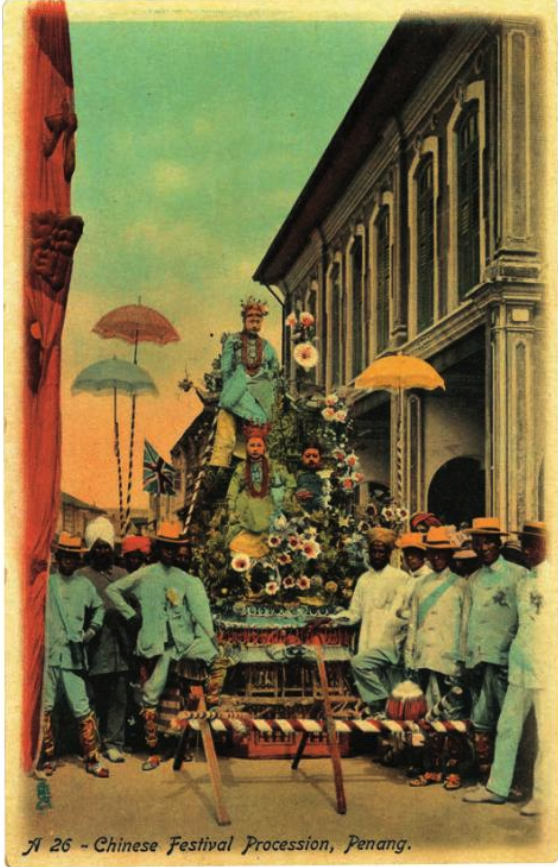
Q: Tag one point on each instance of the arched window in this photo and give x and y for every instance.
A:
(383, 279)
(357, 331)
(425, 243)
(468, 200)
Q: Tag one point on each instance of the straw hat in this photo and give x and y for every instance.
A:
(439, 539)
(486, 527)
(465, 554)
(69, 544)
(170, 532)
(411, 540)
(533, 528)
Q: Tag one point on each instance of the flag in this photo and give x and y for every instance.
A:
(158, 476)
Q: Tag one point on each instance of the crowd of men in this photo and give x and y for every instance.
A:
(461, 625)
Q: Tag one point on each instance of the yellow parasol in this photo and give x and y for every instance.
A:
(400, 372)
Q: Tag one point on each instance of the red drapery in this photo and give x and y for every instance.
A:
(50, 236)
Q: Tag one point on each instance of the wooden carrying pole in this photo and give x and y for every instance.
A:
(331, 730)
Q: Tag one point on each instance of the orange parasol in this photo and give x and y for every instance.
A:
(400, 372)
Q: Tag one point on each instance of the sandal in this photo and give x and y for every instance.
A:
(97, 770)
(453, 782)
(151, 763)
(428, 779)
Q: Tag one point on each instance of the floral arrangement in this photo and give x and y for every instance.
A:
(303, 336)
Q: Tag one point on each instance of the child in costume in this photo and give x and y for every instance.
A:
(258, 492)
(71, 602)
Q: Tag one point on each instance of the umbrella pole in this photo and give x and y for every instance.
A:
(118, 463)
(399, 456)
(130, 466)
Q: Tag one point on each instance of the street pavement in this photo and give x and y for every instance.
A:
(277, 816)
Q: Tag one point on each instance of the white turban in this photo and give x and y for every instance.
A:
(99, 529)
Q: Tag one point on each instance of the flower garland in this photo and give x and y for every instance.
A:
(252, 490)
(251, 362)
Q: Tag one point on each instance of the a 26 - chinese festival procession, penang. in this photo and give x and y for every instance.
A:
(344, 553)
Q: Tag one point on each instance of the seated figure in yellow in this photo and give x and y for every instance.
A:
(258, 492)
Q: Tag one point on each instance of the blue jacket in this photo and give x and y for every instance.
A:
(174, 609)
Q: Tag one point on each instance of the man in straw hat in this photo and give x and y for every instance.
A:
(71, 600)
(250, 367)
(528, 678)
(381, 604)
(490, 623)
(175, 622)
(432, 651)
(414, 554)
(110, 650)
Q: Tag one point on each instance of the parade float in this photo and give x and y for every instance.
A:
(268, 589)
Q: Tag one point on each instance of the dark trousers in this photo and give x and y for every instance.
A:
(109, 697)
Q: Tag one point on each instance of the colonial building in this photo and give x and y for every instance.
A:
(421, 231)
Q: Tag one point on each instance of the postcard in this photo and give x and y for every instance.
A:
(280, 393)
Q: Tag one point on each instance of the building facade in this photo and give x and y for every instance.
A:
(421, 231)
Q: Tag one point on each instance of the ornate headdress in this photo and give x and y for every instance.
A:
(253, 305)
(256, 430)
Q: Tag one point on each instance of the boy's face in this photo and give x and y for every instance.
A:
(253, 323)
(311, 458)
(439, 560)
(166, 554)
(414, 558)
(534, 549)
(68, 562)
(255, 448)
(379, 555)
(101, 555)
(487, 548)
(134, 560)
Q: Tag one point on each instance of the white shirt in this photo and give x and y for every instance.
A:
(529, 652)
(381, 604)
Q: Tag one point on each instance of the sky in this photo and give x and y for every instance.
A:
(194, 141)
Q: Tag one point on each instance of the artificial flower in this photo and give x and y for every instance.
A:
(291, 320)
(273, 541)
(272, 588)
(306, 355)
(317, 580)
(241, 563)
(402, 513)
(288, 582)
(331, 587)
(173, 596)
(388, 513)
(306, 319)
(347, 483)
(351, 460)
(359, 477)
(303, 583)
(310, 549)
(284, 558)
(331, 400)
(294, 542)
(328, 413)
(341, 415)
